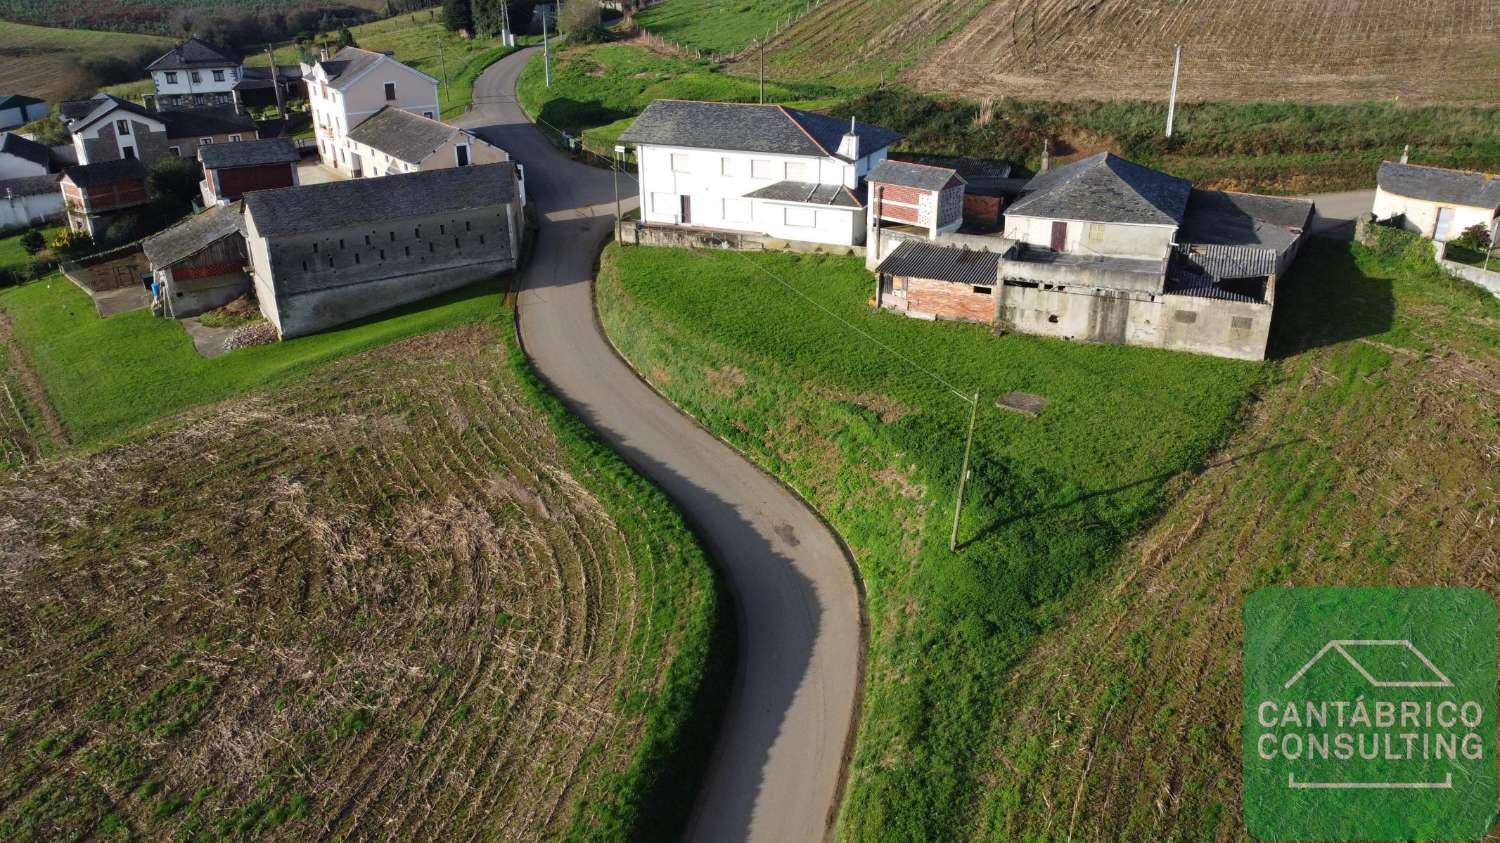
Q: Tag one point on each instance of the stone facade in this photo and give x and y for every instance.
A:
(149, 140)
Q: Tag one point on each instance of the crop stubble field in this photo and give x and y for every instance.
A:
(1310, 50)
(384, 603)
(43, 62)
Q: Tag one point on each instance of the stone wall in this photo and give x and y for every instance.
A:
(1489, 280)
(702, 238)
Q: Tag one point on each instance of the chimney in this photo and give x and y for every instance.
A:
(849, 145)
(322, 54)
(1406, 154)
(1046, 155)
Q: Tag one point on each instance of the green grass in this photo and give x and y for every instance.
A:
(109, 376)
(854, 420)
(1472, 257)
(43, 61)
(716, 26)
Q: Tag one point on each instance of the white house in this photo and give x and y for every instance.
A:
(393, 140)
(18, 110)
(107, 128)
(1436, 203)
(21, 157)
(352, 86)
(194, 75)
(764, 170)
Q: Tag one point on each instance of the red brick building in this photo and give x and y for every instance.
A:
(233, 169)
(939, 282)
(919, 195)
(92, 193)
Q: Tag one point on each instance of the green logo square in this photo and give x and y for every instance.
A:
(1369, 714)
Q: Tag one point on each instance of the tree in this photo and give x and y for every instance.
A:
(33, 241)
(579, 15)
(346, 38)
(1475, 237)
(173, 185)
(458, 15)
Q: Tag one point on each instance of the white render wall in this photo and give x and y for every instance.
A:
(1088, 238)
(1421, 214)
(716, 182)
(24, 211)
(337, 110)
(205, 84)
(15, 167)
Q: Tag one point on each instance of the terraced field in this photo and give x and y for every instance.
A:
(387, 601)
(43, 62)
(1311, 50)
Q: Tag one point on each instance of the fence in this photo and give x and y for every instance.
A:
(110, 269)
(1477, 275)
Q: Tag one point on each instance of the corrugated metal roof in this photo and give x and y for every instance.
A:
(914, 259)
(808, 193)
(1221, 261)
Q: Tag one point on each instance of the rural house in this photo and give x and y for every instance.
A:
(194, 75)
(760, 171)
(94, 193)
(199, 264)
(232, 169)
(21, 156)
(393, 140)
(1103, 250)
(29, 200)
(353, 85)
(107, 128)
(325, 254)
(1434, 202)
(18, 110)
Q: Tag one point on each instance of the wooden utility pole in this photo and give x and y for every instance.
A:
(546, 49)
(443, 65)
(276, 85)
(762, 71)
(963, 476)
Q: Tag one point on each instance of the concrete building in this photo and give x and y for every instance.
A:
(20, 157)
(763, 170)
(200, 263)
(353, 85)
(18, 110)
(326, 254)
(231, 170)
(1104, 250)
(107, 128)
(29, 201)
(1436, 203)
(393, 140)
(94, 193)
(194, 75)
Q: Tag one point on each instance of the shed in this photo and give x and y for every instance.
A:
(231, 170)
(199, 263)
(939, 282)
(921, 195)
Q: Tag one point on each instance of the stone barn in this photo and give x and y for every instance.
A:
(325, 254)
(200, 263)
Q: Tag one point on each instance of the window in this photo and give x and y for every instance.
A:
(235, 138)
(382, 254)
(737, 210)
(442, 228)
(800, 171)
(983, 291)
(367, 239)
(726, 166)
(195, 76)
(122, 127)
(427, 114)
(171, 77)
(1239, 326)
(218, 76)
(664, 203)
(681, 163)
(1095, 232)
(356, 257)
(760, 169)
(801, 218)
(390, 92)
(175, 150)
(129, 153)
(205, 141)
(462, 152)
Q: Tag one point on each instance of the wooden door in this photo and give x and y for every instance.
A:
(1059, 236)
(687, 210)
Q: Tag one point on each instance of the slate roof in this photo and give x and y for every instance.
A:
(26, 149)
(347, 64)
(908, 174)
(914, 259)
(259, 78)
(252, 153)
(807, 193)
(98, 107)
(18, 101)
(1105, 188)
(402, 135)
(106, 172)
(30, 185)
(1435, 184)
(200, 122)
(1243, 219)
(749, 128)
(316, 207)
(192, 53)
(193, 235)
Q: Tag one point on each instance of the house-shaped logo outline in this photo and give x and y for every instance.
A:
(1340, 645)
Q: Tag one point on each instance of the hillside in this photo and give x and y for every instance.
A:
(159, 15)
(1310, 50)
(44, 61)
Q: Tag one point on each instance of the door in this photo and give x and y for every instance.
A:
(687, 210)
(1059, 236)
(1444, 223)
(463, 154)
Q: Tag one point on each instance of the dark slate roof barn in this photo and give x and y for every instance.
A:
(253, 153)
(1105, 188)
(316, 207)
(1435, 184)
(1243, 219)
(192, 54)
(25, 149)
(908, 174)
(106, 172)
(193, 234)
(402, 135)
(748, 127)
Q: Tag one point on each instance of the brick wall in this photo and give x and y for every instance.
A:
(947, 300)
(984, 210)
(886, 195)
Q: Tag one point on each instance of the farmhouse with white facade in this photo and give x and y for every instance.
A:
(107, 128)
(194, 75)
(18, 110)
(345, 90)
(1434, 202)
(393, 140)
(1099, 250)
(709, 168)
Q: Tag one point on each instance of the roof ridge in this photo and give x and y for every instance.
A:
(803, 129)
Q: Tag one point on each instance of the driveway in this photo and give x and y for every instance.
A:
(776, 771)
(1337, 212)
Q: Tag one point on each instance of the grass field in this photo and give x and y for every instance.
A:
(1335, 51)
(154, 15)
(43, 61)
(1371, 458)
(852, 419)
(717, 27)
(406, 593)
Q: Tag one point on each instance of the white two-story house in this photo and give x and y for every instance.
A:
(194, 75)
(763, 170)
(346, 89)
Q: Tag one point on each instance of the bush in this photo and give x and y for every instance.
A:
(1475, 237)
(33, 241)
(72, 242)
(10, 277)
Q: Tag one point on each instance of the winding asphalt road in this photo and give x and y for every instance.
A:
(777, 768)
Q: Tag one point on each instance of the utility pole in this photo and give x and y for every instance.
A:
(762, 71)
(276, 85)
(963, 476)
(546, 49)
(616, 170)
(506, 39)
(1172, 103)
(443, 64)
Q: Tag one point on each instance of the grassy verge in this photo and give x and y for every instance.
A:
(875, 442)
(716, 27)
(1368, 459)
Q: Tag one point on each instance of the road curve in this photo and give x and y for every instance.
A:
(776, 770)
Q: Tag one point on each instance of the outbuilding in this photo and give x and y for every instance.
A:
(1434, 202)
(232, 169)
(199, 263)
(93, 193)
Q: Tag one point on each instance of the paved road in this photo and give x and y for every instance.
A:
(1336, 212)
(776, 771)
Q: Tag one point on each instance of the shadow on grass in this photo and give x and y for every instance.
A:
(1327, 299)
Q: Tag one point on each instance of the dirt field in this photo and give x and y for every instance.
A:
(1310, 50)
(372, 604)
(44, 62)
